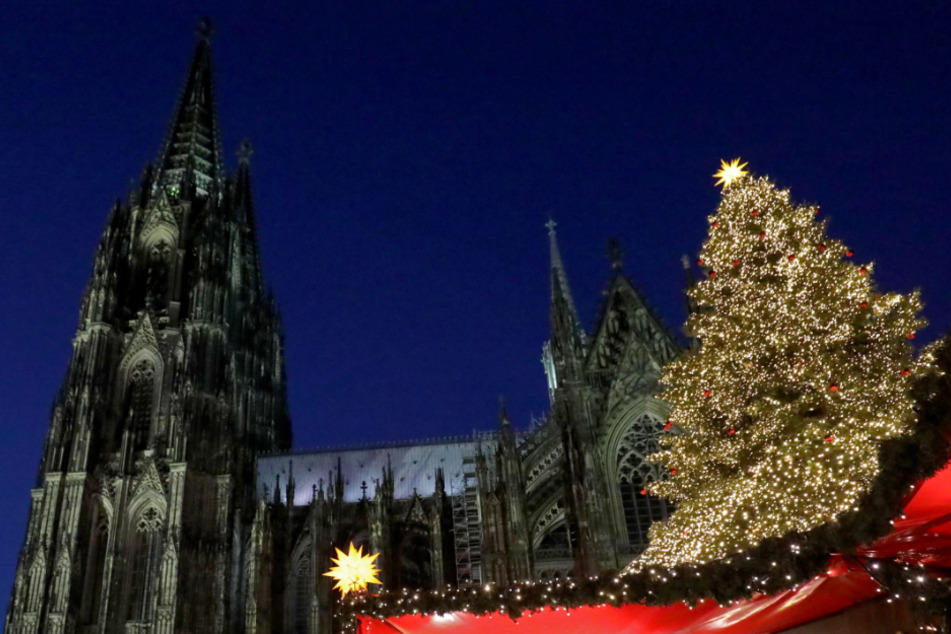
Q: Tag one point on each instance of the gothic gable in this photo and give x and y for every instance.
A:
(629, 338)
(415, 514)
(638, 373)
(143, 338)
(159, 224)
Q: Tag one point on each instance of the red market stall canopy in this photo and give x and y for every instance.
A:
(921, 536)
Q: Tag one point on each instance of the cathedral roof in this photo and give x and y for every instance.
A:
(414, 468)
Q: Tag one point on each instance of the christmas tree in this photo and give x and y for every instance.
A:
(802, 371)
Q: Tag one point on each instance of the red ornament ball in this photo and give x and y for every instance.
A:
(863, 271)
(643, 491)
(712, 274)
(822, 248)
(863, 305)
(707, 392)
(699, 262)
(848, 253)
(815, 211)
(755, 212)
(731, 432)
(905, 372)
(673, 472)
(716, 224)
(911, 335)
(792, 257)
(834, 387)
(762, 234)
(736, 262)
(829, 438)
(668, 425)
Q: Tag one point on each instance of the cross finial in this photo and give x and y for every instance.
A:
(551, 224)
(205, 29)
(615, 254)
(244, 152)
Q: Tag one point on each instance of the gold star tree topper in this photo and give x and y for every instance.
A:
(354, 570)
(730, 172)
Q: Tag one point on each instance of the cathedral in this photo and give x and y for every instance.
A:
(169, 500)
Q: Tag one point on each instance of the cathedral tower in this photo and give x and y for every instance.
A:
(174, 387)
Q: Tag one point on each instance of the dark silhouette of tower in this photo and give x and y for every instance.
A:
(145, 492)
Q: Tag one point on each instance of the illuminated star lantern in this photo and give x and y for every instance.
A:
(730, 172)
(354, 570)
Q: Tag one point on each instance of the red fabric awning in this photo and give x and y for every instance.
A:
(818, 598)
(922, 535)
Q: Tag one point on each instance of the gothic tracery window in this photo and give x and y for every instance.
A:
(415, 557)
(141, 393)
(145, 552)
(157, 272)
(301, 596)
(634, 472)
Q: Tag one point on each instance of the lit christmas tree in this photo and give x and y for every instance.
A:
(803, 370)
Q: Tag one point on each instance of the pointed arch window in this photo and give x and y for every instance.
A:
(157, 274)
(141, 393)
(145, 551)
(634, 472)
(95, 567)
(302, 593)
(415, 556)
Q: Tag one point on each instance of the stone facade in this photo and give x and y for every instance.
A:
(564, 499)
(168, 500)
(144, 498)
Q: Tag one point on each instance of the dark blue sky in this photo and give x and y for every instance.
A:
(408, 154)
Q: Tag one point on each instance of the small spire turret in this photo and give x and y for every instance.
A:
(559, 280)
(564, 353)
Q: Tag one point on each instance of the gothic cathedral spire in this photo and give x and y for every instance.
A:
(563, 355)
(560, 292)
(192, 147)
(174, 387)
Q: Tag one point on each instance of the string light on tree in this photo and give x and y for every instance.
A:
(800, 359)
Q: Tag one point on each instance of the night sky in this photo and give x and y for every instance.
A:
(407, 157)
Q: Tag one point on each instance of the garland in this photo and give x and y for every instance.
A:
(774, 565)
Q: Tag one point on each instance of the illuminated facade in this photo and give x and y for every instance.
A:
(168, 499)
(565, 498)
